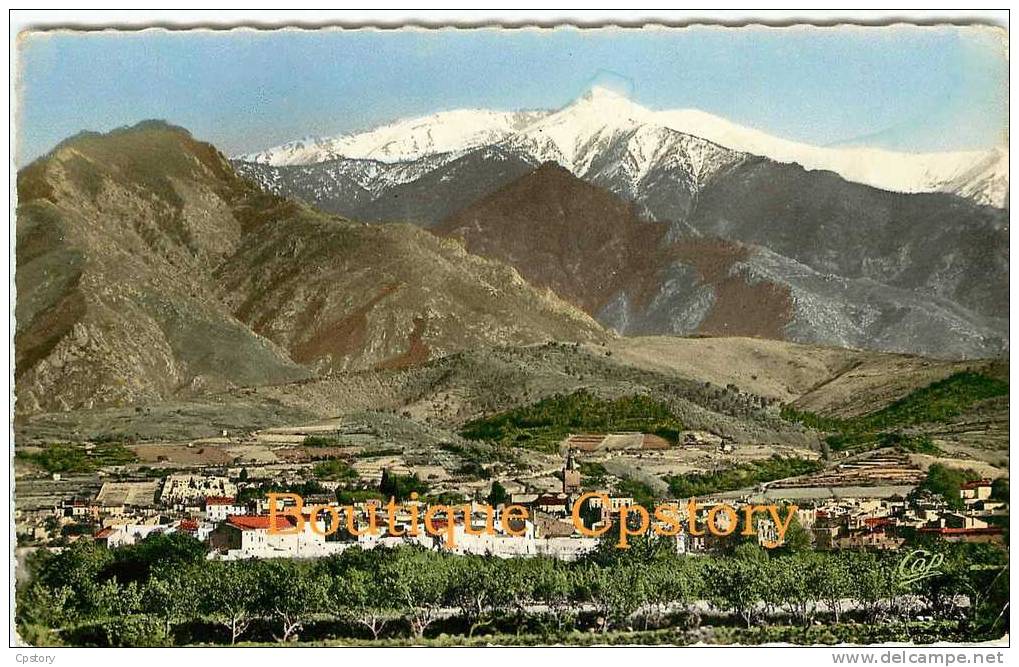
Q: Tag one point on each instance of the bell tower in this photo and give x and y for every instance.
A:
(571, 474)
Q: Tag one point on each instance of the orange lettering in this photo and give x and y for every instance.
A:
(294, 511)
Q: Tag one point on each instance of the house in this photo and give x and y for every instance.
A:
(242, 537)
(127, 534)
(976, 490)
(76, 508)
(200, 530)
(554, 504)
(878, 540)
(550, 526)
(959, 520)
(218, 508)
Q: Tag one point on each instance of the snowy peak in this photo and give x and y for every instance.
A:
(444, 132)
(579, 135)
(606, 101)
(575, 135)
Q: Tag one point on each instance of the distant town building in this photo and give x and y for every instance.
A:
(571, 474)
(195, 488)
(976, 490)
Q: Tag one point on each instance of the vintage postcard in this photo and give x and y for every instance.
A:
(558, 335)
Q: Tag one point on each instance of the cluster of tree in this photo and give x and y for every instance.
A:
(142, 594)
(641, 493)
(65, 457)
(401, 486)
(740, 476)
(336, 470)
(544, 424)
(917, 443)
(947, 482)
(936, 403)
(305, 488)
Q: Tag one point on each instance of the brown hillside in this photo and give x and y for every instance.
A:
(565, 234)
(590, 247)
(146, 268)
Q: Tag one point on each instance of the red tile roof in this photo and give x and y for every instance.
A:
(976, 484)
(260, 522)
(189, 525)
(104, 533)
(219, 500)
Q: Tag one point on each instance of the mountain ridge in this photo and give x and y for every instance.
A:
(885, 169)
(146, 268)
(643, 276)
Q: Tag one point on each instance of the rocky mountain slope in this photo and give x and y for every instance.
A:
(562, 233)
(422, 192)
(854, 266)
(762, 237)
(146, 268)
(115, 238)
(445, 392)
(730, 386)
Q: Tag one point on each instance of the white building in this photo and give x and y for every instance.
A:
(218, 508)
(195, 488)
(241, 537)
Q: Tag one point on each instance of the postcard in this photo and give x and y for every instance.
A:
(353, 335)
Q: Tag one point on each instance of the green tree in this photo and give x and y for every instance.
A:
(417, 579)
(947, 482)
(551, 584)
(401, 486)
(39, 610)
(830, 576)
(136, 562)
(872, 583)
(76, 575)
(290, 594)
(615, 592)
(172, 594)
(790, 588)
(498, 496)
(671, 581)
(739, 583)
(797, 538)
(476, 586)
(363, 597)
(231, 595)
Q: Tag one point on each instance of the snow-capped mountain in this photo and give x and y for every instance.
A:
(755, 235)
(404, 140)
(880, 168)
(579, 134)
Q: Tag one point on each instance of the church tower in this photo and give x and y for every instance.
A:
(571, 474)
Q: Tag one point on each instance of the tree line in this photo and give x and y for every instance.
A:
(164, 591)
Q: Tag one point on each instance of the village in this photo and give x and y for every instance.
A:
(871, 503)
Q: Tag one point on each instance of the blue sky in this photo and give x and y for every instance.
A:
(904, 88)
